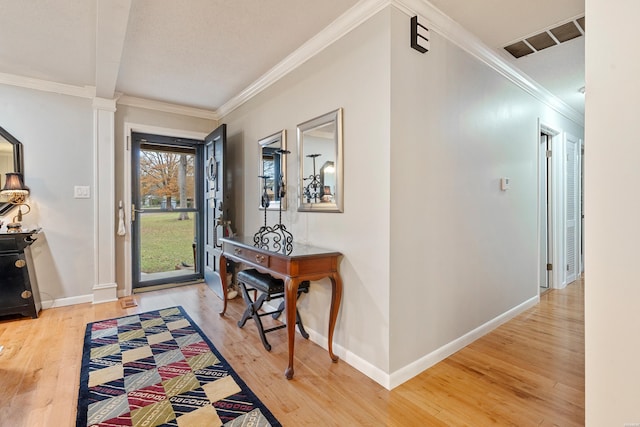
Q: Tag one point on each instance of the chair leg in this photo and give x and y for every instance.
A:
(300, 327)
(279, 311)
(263, 336)
(248, 312)
(252, 311)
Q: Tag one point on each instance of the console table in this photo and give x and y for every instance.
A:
(18, 285)
(303, 263)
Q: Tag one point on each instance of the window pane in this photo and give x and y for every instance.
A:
(167, 178)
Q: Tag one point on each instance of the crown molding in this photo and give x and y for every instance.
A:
(351, 19)
(88, 92)
(166, 107)
(438, 21)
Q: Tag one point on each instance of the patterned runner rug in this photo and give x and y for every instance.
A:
(159, 369)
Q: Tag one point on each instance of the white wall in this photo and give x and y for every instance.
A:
(353, 74)
(612, 204)
(463, 252)
(57, 133)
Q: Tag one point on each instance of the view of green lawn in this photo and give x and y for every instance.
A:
(165, 241)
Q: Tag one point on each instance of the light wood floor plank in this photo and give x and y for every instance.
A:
(528, 372)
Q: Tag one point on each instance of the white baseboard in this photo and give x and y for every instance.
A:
(390, 381)
(101, 293)
(352, 359)
(411, 370)
(63, 302)
(105, 292)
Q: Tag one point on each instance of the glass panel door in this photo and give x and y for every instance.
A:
(167, 219)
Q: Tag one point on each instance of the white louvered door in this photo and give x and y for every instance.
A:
(572, 193)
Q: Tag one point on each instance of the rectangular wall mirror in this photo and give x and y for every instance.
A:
(320, 184)
(273, 171)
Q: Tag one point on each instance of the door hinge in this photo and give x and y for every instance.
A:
(549, 267)
(548, 153)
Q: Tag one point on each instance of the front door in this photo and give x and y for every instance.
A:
(166, 210)
(217, 207)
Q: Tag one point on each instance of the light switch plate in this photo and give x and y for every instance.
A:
(81, 192)
(505, 184)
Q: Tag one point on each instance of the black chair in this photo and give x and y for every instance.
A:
(270, 288)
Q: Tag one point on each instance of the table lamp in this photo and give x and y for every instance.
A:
(16, 192)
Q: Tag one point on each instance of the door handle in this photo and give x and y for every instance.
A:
(134, 211)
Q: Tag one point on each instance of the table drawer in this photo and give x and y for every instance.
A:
(254, 257)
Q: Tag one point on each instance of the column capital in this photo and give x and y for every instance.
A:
(105, 104)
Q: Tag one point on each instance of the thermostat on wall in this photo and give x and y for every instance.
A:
(504, 184)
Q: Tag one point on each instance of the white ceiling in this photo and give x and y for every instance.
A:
(202, 53)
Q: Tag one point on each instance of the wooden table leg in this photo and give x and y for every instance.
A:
(222, 269)
(336, 298)
(291, 294)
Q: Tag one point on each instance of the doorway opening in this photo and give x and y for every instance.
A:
(166, 210)
(546, 209)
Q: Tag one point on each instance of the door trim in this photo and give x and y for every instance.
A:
(555, 233)
(130, 127)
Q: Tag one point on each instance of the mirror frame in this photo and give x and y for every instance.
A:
(18, 164)
(335, 117)
(281, 137)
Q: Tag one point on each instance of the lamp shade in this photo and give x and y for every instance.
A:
(14, 184)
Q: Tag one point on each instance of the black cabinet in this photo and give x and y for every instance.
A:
(18, 285)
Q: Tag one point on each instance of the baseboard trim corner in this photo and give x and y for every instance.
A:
(411, 370)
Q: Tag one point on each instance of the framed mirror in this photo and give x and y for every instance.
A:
(10, 161)
(273, 171)
(320, 187)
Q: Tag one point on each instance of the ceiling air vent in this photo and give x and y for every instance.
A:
(519, 49)
(547, 38)
(541, 41)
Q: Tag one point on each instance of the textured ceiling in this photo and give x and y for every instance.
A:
(49, 40)
(201, 53)
(210, 50)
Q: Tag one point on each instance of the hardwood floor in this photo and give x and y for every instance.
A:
(528, 372)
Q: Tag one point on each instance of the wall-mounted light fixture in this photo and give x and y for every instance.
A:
(419, 36)
(15, 192)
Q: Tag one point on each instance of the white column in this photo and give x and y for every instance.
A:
(105, 287)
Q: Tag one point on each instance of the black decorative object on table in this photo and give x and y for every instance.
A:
(276, 238)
